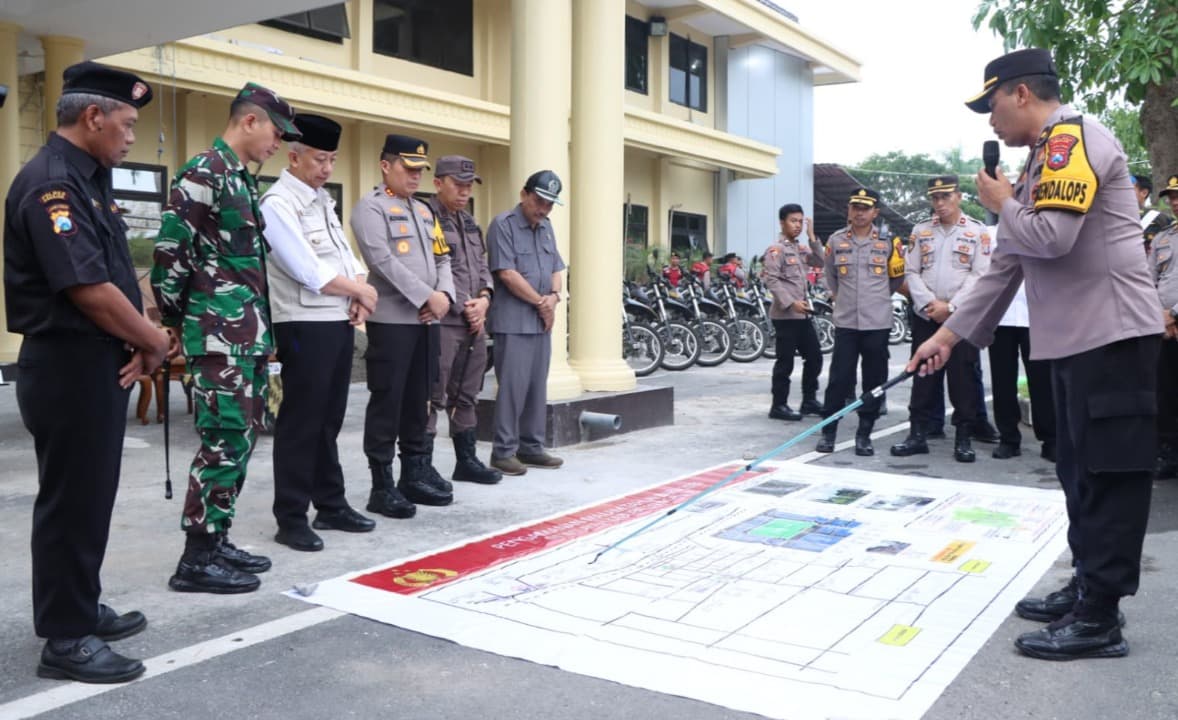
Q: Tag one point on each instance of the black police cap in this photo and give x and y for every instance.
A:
(942, 183)
(91, 78)
(412, 151)
(1171, 186)
(864, 196)
(1020, 63)
(318, 132)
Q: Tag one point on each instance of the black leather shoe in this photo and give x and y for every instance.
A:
(390, 503)
(345, 518)
(962, 450)
(863, 446)
(1071, 638)
(240, 559)
(88, 660)
(113, 626)
(299, 537)
(984, 433)
(784, 412)
(826, 444)
(208, 572)
(1005, 451)
(1051, 607)
(914, 444)
(811, 407)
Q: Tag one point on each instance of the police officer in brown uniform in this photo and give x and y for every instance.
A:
(784, 274)
(862, 271)
(409, 265)
(1165, 276)
(463, 358)
(70, 290)
(946, 255)
(1069, 228)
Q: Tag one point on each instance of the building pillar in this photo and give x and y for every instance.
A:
(60, 53)
(596, 191)
(9, 159)
(541, 77)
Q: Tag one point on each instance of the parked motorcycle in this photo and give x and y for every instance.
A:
(680, 343)
(642, 349)
(714, 338)
(762, 300)
(901, 329)
(748, 340)
(822, 316)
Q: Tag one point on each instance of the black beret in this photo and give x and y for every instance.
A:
(864, 196)
(318, 132)
(1020, 63)
(411, 150)
(91, 78)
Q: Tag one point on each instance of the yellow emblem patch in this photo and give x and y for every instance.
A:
(403, 229)
(896, 263)
(441, 247)
(843, 270)
(1068, 181)
(403, 247)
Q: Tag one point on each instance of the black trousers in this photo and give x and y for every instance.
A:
(1009, 344)
(796, 336)
(1168, 393)
(850, 347)
(316, 362)
(961, 372)
(71, 403)
(1105, 414)
(401, 362)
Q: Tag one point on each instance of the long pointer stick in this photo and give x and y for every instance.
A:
(869, 395)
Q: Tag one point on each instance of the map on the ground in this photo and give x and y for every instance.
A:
(797, 592)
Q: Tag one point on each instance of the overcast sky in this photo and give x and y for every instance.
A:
(920, 60)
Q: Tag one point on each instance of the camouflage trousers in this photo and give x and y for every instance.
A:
(228, 401)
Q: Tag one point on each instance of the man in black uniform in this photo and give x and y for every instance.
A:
(71, 291)
(1152, 221)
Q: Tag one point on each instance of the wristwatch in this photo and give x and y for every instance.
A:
(952, 308)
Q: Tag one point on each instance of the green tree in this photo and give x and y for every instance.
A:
(1105, 51)
(902, 180)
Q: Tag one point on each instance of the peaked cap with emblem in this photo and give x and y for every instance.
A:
(1171, 186)
(318, 132)
(546, 184)
(942, 184)
(278, 110)
(412, 151)
(1020, 63)
(864, 196)
(91, 78)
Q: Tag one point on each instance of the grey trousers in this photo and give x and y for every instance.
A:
(461, 365)
(521, 369)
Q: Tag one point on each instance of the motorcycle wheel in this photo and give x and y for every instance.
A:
(641, 349)
(748, 342)
(824, 327)
(715, 344)
(770, 339)
(899, 330)
(680, 346)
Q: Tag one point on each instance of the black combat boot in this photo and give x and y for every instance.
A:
(810, 405)
(826, 444)
(434, 477)
(415, 482)
(1090, 630)
(914, 444)
(385, 498)
(1167, 464)
(863, 446)
(238, 558)
(962, 449)
(202, 569)
(784, 412)
(468, 467)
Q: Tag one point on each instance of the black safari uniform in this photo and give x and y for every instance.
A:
(63, 230)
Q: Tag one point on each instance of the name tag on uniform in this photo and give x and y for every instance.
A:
(963, 248)
(397, 210)
(881, 246)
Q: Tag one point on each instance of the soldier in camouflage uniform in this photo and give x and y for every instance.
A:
(209, 280)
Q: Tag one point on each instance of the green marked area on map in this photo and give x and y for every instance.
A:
(982, 516)
(785, 529)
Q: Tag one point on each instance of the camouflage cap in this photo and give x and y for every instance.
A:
(278, 110)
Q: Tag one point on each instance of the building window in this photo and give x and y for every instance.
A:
(140, 191)
(689, 232)
(637, 54)
(335, 190)
(328, 23)
(635, 221)
(438, 33)
(689, 73)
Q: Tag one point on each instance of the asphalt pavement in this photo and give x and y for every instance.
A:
(264, 655)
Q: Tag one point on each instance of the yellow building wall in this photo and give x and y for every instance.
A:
(693, 190)
(32, 127)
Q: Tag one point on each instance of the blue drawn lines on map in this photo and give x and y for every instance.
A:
(787, 530)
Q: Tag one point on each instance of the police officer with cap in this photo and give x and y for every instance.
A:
(409, 265)
(1165, 276)
(71, 290)
(1152, 221)
(1068, 226)
(318, 293)
(945, 257)
(209, 280)
(862, 271)
(526, 264)
(462, 360)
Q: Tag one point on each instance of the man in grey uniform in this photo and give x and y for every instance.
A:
(1165, 276)
(1069, 227)
(526, 264)
(463, 359)
(946, 255)
(862, 271)
(409, 265)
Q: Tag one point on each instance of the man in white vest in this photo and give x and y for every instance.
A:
(317, 294)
